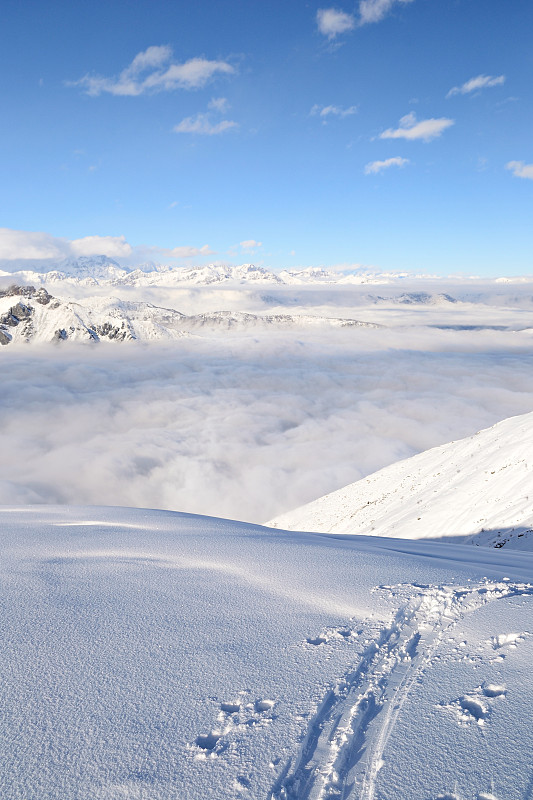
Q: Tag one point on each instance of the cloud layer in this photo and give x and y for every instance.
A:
(153, 70)
(245, 427)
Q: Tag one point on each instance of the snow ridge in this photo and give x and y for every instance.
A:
(342, 754)
(476, 490)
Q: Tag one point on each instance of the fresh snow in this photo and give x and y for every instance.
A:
(478, 490)
(149, 654)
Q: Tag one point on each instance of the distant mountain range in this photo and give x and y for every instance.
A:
(477, 490)
(28, 314)
(101, 270)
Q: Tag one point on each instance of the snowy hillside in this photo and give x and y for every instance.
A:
(150, 654)
(478, 490)
(33, 315)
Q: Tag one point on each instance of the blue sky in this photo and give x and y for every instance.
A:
(395, 134)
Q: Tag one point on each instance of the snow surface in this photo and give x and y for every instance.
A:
(479, 490)
(149, 654)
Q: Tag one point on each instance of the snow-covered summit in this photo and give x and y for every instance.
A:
(478, 490)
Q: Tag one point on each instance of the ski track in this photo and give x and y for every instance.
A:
(342, 753)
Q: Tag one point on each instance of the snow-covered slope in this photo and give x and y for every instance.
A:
(161, 656)
(33, 315)
(479, 489)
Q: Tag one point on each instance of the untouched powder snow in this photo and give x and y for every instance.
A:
(478, 490)
(163, 656)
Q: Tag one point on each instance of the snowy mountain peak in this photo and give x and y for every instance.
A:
(96, 267)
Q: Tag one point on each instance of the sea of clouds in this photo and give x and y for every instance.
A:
(245, 426)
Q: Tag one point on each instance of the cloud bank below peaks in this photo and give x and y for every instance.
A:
(153, 70)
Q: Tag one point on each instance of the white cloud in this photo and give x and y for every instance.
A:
(379, 166)
(375, 10)
(335, 111)
(250, 244)
(188, 252)
(219, 104)
(18, 247)
(37, 246)
(520, 169)
(153, 71)
(30, 245)
(201, 124)
(112, 246)
(480, 82)
(410, 128)
(331, 22)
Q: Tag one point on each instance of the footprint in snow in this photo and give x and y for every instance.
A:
(342, 633)
(512, 640)
(233, 716)
(477, 705)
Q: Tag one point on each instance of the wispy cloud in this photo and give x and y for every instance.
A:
(332, 22)
(333, 111)
(520, 169)
(375, 10)
(202, 124)
(474, 84)
(410, 128)
(378, 166)
(219, 104)
(250, 244)
(154, 70)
